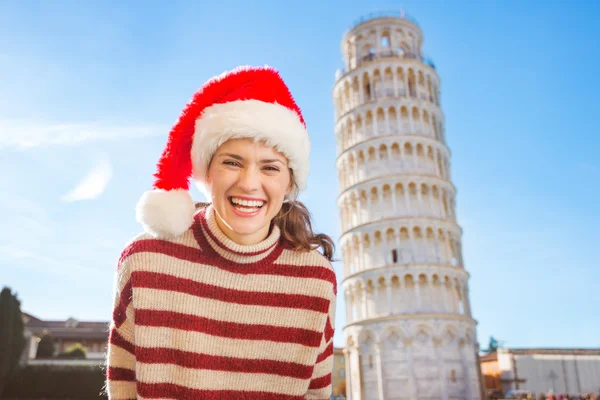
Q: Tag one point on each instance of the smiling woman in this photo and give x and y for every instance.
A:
(232, 298)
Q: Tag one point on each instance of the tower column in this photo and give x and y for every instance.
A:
(347, 364)
(389, 295)
(408, 207)
(445, 299)
(437, 343)
(413, 246)
(364, 301)
(466, 377)
(356, 386)
(375, 131)
(379, 371)
(348, 299)
(467, 302)
(360, 91)
(361, 255)
(387, 125)
(412, 380)
(420, 198)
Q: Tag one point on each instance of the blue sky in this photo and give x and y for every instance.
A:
(89, 91)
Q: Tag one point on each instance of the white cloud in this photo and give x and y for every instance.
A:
(25, 134)
(93, 185)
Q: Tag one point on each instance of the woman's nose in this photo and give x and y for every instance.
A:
(249, 180)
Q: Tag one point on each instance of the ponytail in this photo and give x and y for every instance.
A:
(294, 223)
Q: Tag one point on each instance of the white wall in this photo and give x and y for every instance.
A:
(572, 373)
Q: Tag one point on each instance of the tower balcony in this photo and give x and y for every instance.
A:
(384, 54)
(406, 291)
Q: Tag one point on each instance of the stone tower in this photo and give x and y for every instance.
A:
(410, 334)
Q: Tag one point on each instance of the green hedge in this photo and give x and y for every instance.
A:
(57, 382)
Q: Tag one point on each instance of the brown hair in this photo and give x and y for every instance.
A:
(294, 222)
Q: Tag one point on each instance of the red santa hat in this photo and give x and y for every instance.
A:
(248, 102)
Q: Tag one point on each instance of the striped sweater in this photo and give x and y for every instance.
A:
(201, 317)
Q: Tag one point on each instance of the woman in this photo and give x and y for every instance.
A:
(229, 299)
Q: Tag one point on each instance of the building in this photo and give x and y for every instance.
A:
(409, 332)
(94, 337)
(338, 375)
(572, 371)
(91, 335)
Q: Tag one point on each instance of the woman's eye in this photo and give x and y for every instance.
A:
(269, 168)
(232, 163)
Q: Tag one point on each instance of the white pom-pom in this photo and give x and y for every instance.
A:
(166, 213)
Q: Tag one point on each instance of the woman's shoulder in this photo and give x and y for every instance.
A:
(144, 242)
(303, 257)
(317, 257)
(329, 271)
(323, 267)
(133, 245)
(138, 240)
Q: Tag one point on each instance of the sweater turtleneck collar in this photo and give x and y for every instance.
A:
(208, 232)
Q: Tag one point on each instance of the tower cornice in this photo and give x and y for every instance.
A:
(421, 316)
(360, 227)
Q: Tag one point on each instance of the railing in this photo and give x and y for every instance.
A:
(384, 14)
(62, 362)
(394, 54)
(383, 54)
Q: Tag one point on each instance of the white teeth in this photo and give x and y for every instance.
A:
(246, 209)
(247, 203)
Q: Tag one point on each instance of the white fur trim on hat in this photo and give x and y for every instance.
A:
(166, 213)
(276, 125)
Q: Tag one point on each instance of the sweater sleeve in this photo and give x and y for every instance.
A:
(120, 359)
(320, 384)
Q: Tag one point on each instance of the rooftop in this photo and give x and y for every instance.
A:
(542, 351)
(384, 14)
(68, 329)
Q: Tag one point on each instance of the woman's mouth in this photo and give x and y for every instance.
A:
(246, 206)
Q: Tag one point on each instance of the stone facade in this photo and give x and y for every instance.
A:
(410, 334)
(338, 375)
(543, 370)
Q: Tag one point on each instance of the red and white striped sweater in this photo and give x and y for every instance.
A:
(201, 317)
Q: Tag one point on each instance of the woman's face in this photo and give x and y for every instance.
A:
(248, 181)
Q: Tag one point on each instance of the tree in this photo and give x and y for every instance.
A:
(76, 352)
(12, 335)
(45, 347)
(492, 346)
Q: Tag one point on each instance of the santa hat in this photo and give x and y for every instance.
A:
(248, 102)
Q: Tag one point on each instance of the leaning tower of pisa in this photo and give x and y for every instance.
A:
(410, 333)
